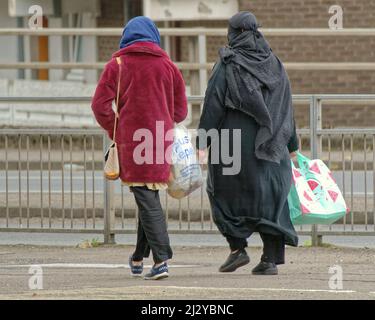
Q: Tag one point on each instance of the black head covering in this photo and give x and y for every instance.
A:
(258, 85)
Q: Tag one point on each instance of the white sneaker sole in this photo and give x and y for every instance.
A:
(136, 275)
(158, 276)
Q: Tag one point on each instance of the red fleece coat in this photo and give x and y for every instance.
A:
(152, 89)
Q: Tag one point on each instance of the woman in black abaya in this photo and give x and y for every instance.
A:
(250, 90)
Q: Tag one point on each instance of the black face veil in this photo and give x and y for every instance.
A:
(243, 21)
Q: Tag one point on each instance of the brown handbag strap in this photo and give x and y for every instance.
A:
(119, 62)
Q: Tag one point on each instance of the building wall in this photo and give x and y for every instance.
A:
(311, 14)
(296, 14)
(115, 14)
(112, 16)
(314, 14)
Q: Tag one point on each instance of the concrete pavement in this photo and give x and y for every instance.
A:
(101, 273)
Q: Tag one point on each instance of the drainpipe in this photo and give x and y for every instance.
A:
(57, 8)
(43, 54)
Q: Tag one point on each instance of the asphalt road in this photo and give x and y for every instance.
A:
(77, 178)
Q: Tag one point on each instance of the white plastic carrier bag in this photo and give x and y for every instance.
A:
(186, 172)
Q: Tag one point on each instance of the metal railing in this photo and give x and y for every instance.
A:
(55, 112)
(197, 65)
(51, 179)
(197, 46)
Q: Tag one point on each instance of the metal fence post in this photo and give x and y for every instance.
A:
(109, 209)
(202, 57)
(193, 58)
(316, 145)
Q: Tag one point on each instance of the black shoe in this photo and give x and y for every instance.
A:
(234, 261)
(265, 269)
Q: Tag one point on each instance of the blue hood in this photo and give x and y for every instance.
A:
(140, 29)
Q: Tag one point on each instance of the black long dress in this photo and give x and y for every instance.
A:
(255, 199)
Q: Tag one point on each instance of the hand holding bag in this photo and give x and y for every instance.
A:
(112, 164)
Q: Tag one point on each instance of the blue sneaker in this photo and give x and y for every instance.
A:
(158, 273)
(136, 271)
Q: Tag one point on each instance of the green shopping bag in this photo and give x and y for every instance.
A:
(315, 197)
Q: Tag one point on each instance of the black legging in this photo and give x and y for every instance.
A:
(152, 228)
(273, 247)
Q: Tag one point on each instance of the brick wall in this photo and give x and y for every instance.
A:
(309, 13)
(314, 14)
(112, 17)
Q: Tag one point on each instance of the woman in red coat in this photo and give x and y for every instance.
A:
(152, 98)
